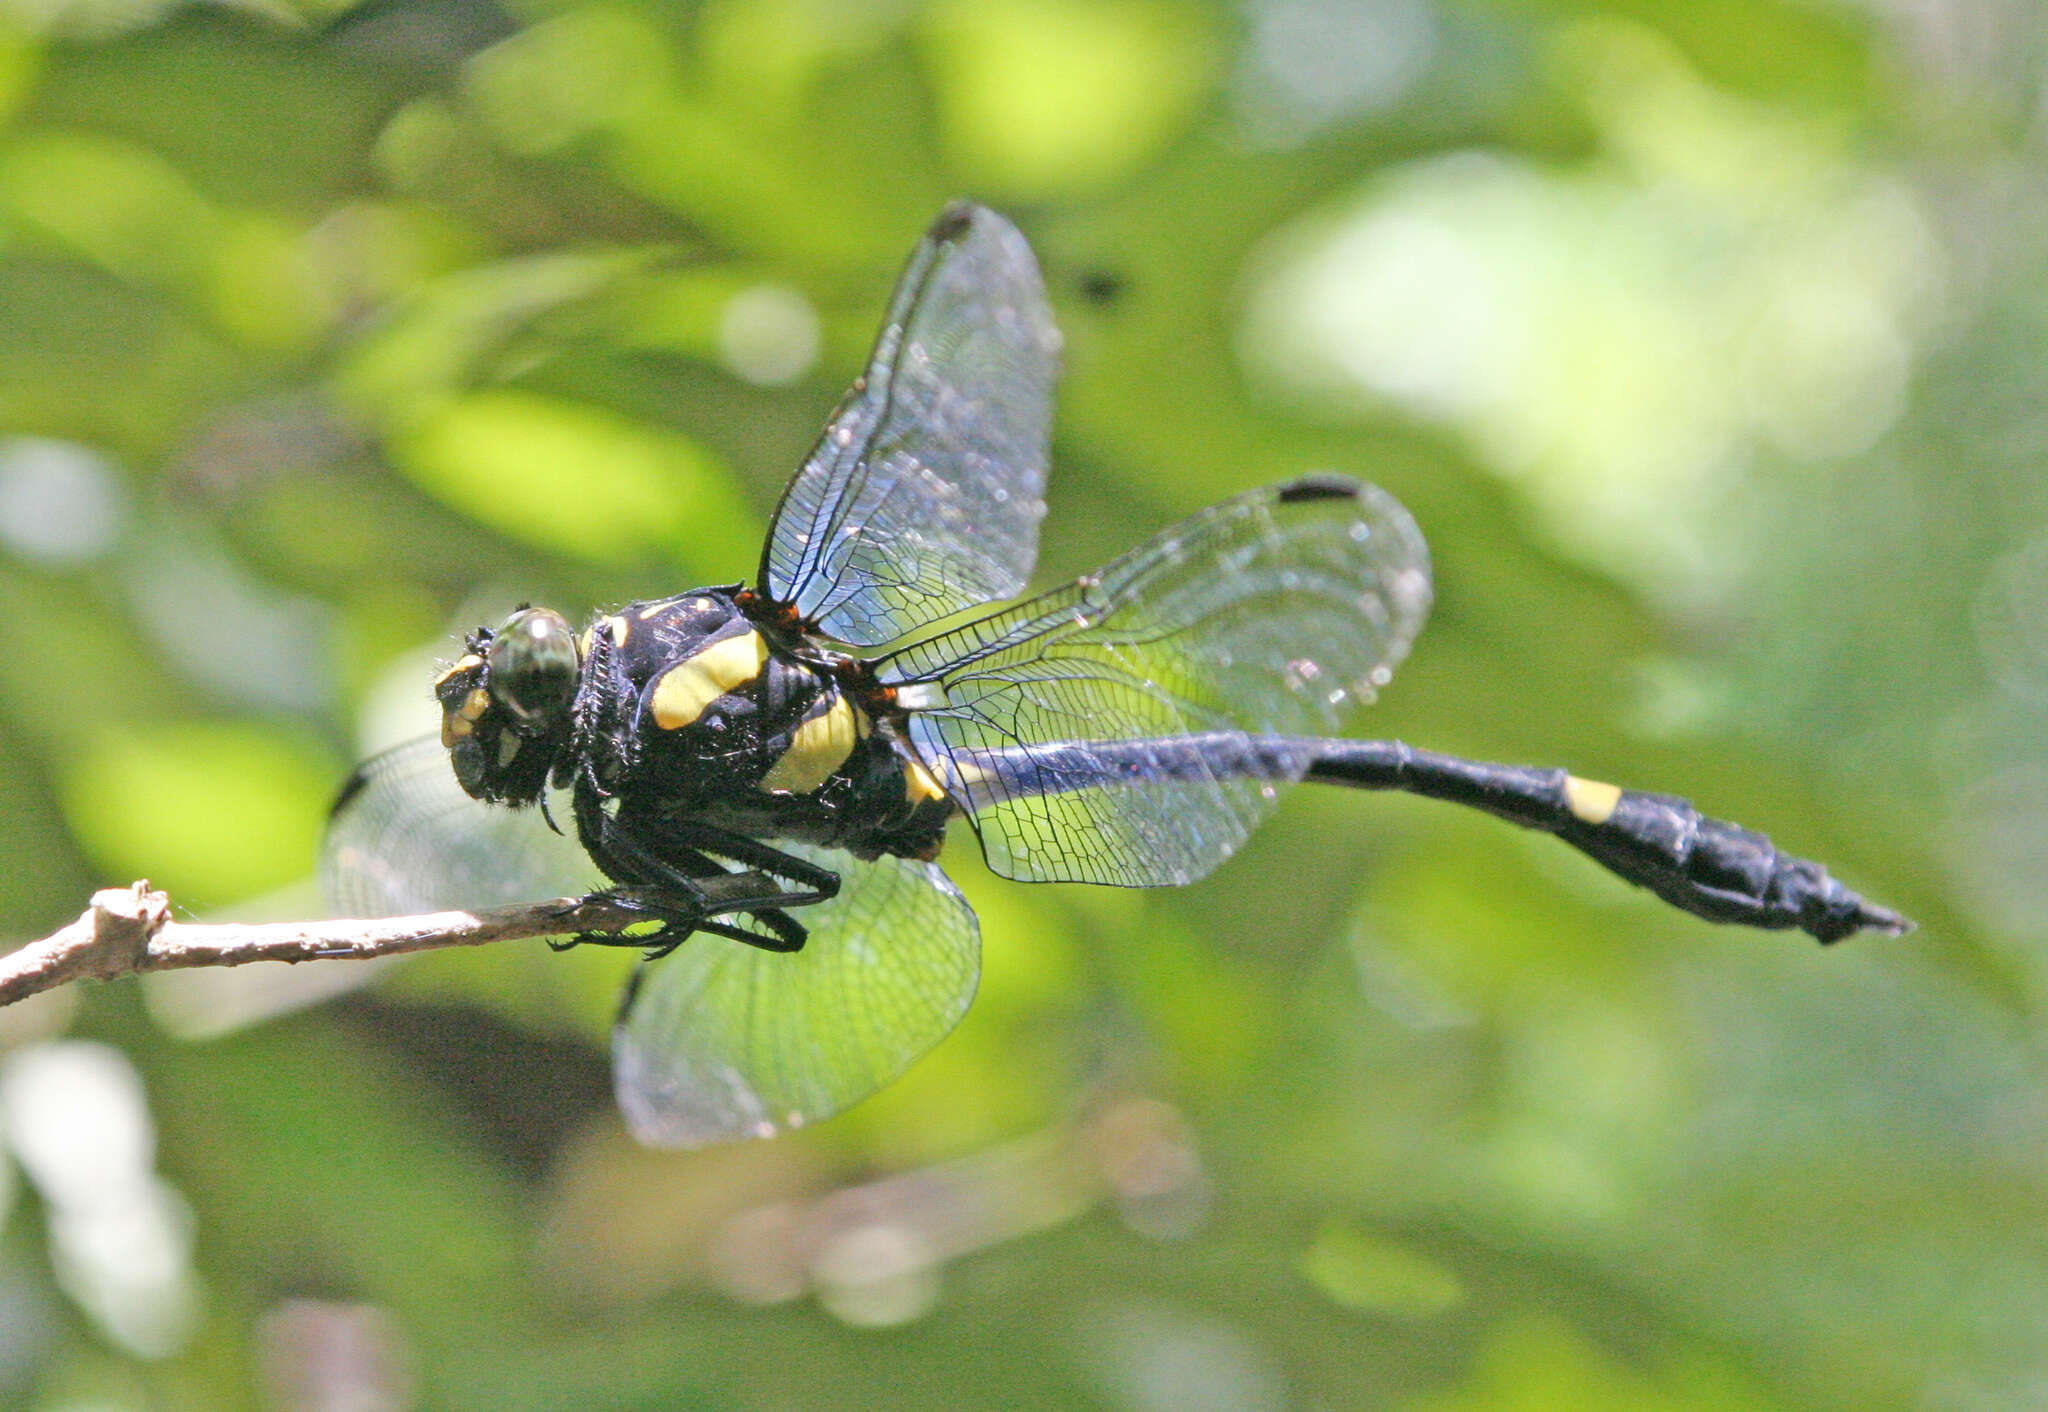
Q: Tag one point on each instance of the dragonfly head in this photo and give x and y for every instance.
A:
(505, 705)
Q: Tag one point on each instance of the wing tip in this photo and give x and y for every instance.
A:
(956, 220)
(357, 779)
(1321, 485)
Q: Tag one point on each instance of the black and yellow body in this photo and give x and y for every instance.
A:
(777, 764)
(1128, 728)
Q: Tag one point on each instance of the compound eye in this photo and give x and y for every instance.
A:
(533, 666)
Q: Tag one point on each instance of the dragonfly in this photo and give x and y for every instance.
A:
(767, 772)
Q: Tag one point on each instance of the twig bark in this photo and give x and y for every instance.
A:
(129, 930)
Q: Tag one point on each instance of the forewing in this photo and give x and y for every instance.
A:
(720, 1041)
(405, 838)
(1055, 722)
(923, 497)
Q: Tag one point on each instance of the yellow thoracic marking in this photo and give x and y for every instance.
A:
(454, 728)
(468, 662)
(590, 634)
(619, 626)
(1590, 801)
(919, 784)
(695, 682)
(819, 747)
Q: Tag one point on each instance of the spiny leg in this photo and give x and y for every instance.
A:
(691, 888)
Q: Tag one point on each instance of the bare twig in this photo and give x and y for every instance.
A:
(128, 930)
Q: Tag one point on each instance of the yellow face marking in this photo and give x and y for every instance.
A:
(1590, 801)
(457, 724)
(819, 747)
(695, 682)
(919, 784)
(468, 662)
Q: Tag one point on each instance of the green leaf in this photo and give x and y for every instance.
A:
(210, 811)
(573, 478)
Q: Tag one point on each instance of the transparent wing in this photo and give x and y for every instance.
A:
(719, 1041)
(1063, 724)
(923, 496)
(404, 838)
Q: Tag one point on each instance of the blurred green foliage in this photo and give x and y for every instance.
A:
(1704, 340)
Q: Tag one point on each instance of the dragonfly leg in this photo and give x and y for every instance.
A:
(676, 872)
(769, 928)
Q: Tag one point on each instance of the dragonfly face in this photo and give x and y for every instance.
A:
(505, 705)
(819, 729)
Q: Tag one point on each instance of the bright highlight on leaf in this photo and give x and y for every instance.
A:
(1039, 97)
(1368, 1272)
(1619, 335)
(211, 812)
(572, 478)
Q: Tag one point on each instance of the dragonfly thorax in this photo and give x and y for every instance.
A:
(692, 707)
